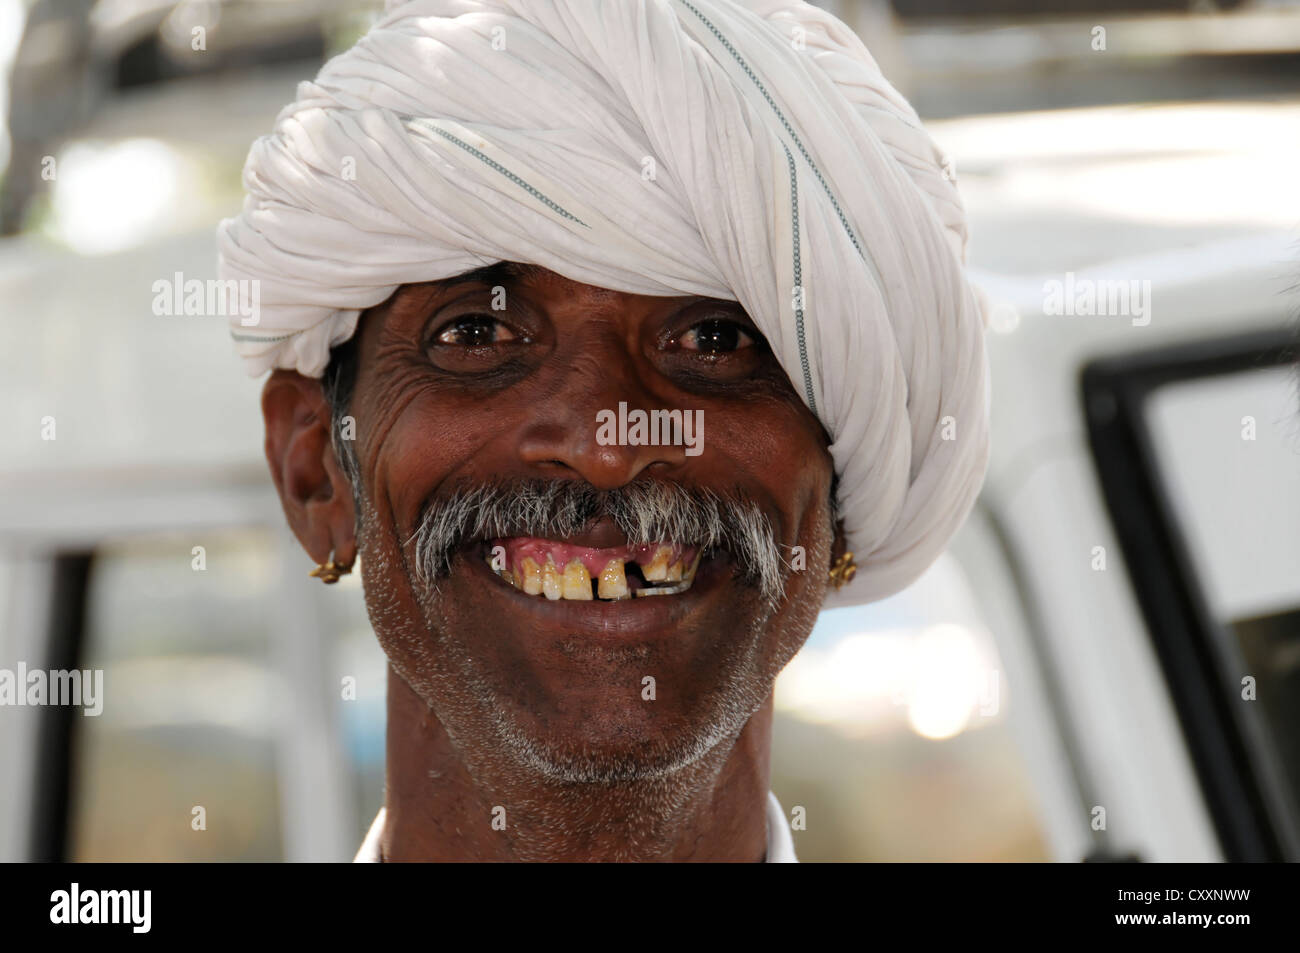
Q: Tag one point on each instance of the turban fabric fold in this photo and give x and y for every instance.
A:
(750, 151)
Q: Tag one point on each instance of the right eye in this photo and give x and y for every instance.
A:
(473, 330)
(715, 336)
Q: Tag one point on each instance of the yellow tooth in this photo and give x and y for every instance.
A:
(657, 571)
(613, 582)
(551, 586)
(675, 572)
(517, 577)
(532, 576)
(695, 564)
(577, 583)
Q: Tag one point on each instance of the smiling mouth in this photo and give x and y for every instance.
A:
(555, 570)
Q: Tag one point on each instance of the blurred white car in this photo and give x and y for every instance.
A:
(1125, 597)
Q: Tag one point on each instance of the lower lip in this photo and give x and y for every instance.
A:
(643, 615)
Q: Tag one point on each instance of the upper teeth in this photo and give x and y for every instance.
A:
(574, 582)
(613, 582)
(577, 584)
(657, 570)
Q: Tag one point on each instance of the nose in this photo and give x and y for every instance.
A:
(584, 430)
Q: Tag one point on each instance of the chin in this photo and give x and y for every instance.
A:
(598, 739)
(601, 758)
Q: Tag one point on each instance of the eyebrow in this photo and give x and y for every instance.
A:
(498, 273)
(421, 295)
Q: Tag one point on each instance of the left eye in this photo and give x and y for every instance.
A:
(715, 336)
(474, 330)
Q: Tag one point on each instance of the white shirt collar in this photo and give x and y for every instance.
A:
(780, 842)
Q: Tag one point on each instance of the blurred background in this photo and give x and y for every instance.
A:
(1103, 666)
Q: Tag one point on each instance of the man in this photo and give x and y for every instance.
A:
(614, 341)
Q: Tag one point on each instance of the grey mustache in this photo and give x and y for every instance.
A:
(644, 511)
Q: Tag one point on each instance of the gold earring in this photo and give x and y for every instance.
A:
(843, 570)
(329, 572)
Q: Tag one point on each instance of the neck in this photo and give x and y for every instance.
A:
(444, 806)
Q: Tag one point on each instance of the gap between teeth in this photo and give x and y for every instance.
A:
(574, 583)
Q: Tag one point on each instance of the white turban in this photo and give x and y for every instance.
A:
(750, 151)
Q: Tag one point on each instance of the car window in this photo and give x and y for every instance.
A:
(186, 734)
(198, 713)
(892, 734)
(1227, 452)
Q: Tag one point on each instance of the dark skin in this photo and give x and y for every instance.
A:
(503, 705)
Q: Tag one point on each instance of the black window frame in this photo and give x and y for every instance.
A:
(1114, 390)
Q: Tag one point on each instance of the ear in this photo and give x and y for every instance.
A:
(315, 493)
(840, 544)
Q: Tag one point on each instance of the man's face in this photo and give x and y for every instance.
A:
(455, 396)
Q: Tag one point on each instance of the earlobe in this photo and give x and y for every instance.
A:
(839, 542)
(314, 491)
(843, 568)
